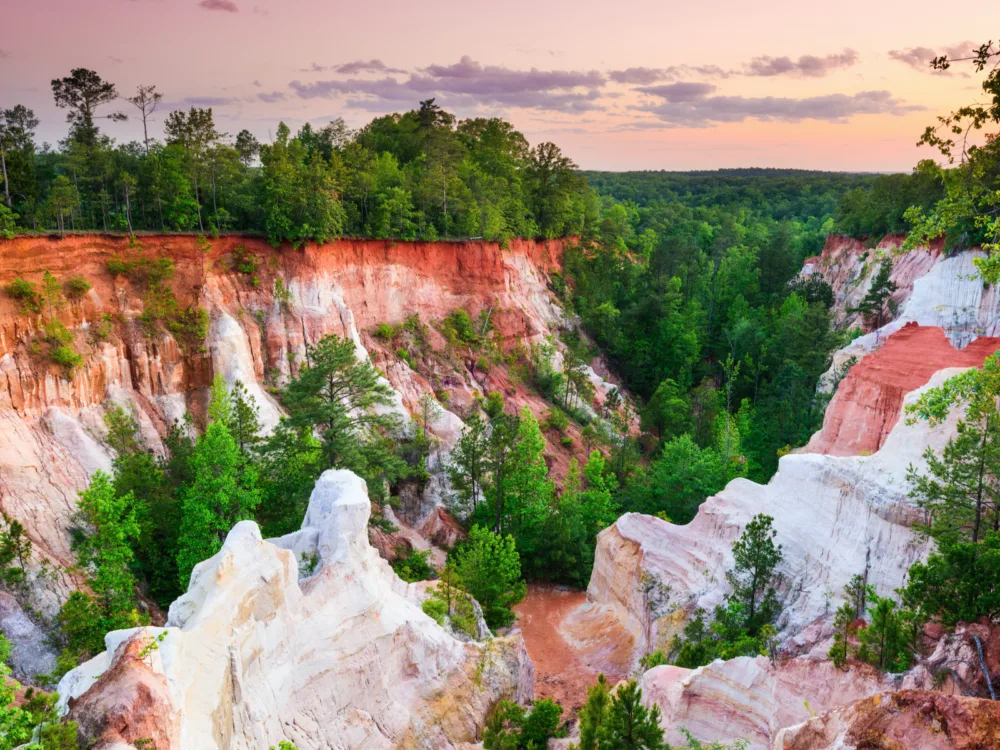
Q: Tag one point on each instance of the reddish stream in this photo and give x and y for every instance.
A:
(567, 649)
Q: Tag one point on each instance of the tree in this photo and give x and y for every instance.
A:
(337, 395)
(195, 132)
(668, 411)
(247, 146)
(222, 492)
(490, 570)
(594, 713)
(82, 93)
(628, 725)
(243, 420)
(889, 640)
(753, 576)
(17, 126)
(63, 197)
(873, 304)
(528, 490)
(146, 99)
(467, 466)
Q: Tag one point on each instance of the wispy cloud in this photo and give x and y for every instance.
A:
(692, 106)
(4, 53)
(226, 5)
(353, 68)
(646, 76)
(274, 96)
(468, 83)
(919, 58)
(809, 66)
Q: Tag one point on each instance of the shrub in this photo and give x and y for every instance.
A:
(76, 287)
(384, 331)
(66, 357)
(458, 328)
(436, 609)
(404, 354)
(556, 419)
(566, 441)
(7, 223)
(189, 327)
(25, 293)
(243, 261)
(414, 566)
(57, 334)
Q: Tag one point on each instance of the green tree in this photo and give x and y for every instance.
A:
(337, 395)
(223, 491)
(668, 411)
(490, 570)
(876, 303)
(628, 725)
(82, 92)
(195, 133)
(753, 575)
(468, 466)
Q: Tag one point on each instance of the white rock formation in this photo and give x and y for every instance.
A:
(833, 515)
(341, 659)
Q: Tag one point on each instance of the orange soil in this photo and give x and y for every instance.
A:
(568, 651)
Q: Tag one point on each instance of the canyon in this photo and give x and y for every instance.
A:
(255, 652)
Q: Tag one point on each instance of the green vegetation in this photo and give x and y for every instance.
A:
(513, 727)
(619, 721)
(419, 174)
(742, 625)
(413, 566)
(489, 568)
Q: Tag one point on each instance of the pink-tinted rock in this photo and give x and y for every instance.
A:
(869, 400)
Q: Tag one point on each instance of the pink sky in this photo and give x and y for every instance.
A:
(721, 83)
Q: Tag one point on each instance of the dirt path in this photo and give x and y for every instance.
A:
(568, 648)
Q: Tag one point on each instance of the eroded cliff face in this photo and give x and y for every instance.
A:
(945, 317)
(256, 652)
(51, 427)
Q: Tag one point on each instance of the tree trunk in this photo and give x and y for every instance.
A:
(6, 182)
(128, 211)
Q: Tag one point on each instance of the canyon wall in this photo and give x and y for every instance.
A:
(260, 650)
(51, 426)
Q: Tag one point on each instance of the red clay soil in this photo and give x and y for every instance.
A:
(868, 402)
(567, 661)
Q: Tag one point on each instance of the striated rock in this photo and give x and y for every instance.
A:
(869, 400)
(751, 698)
(834, 518)
(903, 720)
(51, 429)
(130, 700)
(252, 654)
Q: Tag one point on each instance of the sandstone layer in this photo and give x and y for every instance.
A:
(869, 400)
(51, 427)
(254, 653)
(834, 516)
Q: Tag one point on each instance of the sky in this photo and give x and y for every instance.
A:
(623, 85)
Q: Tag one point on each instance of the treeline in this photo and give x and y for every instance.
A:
(422, 174)
(881, 208)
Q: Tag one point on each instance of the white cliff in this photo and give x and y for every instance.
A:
(253, 654)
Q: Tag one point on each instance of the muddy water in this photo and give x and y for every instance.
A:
(568, 646)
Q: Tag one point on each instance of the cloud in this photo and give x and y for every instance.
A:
(112, 58)
(646, 76)
(467, 84)
(470, 77)
(364, 66)
(256, 83)
(689, 108)
(4, 53)
(919, 58)
(680, 92)
(227, 5)
(274, 96)
(809, 66)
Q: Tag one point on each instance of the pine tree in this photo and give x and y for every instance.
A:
(753, 575)
(628, 724)
(593, 713)
(490, 570)
(873, 304)
(223, 490)
(529, 489)
(467, 466)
